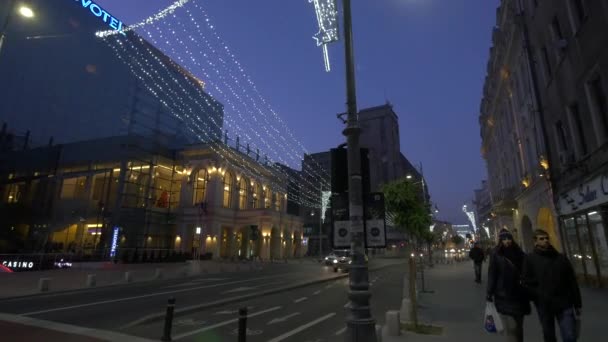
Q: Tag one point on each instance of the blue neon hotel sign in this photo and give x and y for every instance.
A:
(99, 12)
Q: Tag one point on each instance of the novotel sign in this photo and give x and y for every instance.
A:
(99, 12)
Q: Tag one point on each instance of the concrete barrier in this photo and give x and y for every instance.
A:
(378, 333)
(404, 312)
(44, 284)
(128, 277)
(393, 323)
(91, 280)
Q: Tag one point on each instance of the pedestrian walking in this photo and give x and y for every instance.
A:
(476, 254)
(549, 277)
(505, 288)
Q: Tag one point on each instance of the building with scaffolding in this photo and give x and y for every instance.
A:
(115, 196)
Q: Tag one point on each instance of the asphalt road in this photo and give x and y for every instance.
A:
(112, 308)
(311, 314)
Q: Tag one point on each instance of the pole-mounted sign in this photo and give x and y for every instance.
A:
(327, 17)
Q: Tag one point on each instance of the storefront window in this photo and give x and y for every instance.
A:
(596, 225)
(574, 252)
(585, 238)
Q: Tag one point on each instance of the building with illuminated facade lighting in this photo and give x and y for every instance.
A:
(512, 140)
(558, 127)
(204, 198)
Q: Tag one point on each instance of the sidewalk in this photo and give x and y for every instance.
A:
(18, 328)
(107, 274)
(458, 304)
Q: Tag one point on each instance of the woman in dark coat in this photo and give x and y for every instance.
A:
(504, 285)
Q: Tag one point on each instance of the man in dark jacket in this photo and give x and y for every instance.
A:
(476, 254)
(549, 277)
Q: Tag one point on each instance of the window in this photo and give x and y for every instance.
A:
(277, 201)
(267, 197)
(227, 189)
(561, 136)
(72, 188)
(14, 193)
(599, 107)
(577, 127)
(255, 195)
(200, 186)
(243, 194)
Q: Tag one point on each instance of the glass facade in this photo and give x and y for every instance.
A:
(586, 245)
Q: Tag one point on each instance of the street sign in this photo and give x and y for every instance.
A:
(340, 220)
(375, 223)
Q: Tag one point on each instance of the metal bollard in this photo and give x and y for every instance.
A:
(128, 277)
(242, 325)
(43, 284)
(91, 280)
(168, 320)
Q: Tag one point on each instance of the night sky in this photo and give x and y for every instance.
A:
(427, 57)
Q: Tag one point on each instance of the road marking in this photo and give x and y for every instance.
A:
(96, 334)
(316, 293)
(340, 332)
(303, 327)
(230, 312)
(194, 282)
(300, 299)
(282, 319)
(241, 289)
(142, 296)
(221, 324)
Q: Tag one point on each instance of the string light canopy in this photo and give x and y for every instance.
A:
(196, 45)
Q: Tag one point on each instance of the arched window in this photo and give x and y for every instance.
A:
(255, 195)
(227, 189)
(200, 186)
(267, 199)
(243, 194)
(277, 201)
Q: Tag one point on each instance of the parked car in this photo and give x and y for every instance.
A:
(332, 257)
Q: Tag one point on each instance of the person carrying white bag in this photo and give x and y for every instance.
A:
(505, 290)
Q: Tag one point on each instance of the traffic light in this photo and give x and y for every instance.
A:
(339, 170)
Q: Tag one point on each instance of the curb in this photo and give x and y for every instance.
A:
(193, 308)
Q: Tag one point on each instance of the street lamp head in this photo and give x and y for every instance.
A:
(408, 177)
(26, 12)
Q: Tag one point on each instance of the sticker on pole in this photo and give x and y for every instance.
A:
(375, 222)
(340, 221)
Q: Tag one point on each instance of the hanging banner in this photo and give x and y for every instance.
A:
(340, 221)
(375, 220)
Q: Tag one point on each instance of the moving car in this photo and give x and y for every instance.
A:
(332, 257)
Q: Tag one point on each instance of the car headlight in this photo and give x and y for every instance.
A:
(335, 261)
(326, 258)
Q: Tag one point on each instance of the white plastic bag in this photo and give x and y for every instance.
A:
(492, 321)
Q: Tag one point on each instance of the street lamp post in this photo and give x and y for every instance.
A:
(24, 11)
(360, 325)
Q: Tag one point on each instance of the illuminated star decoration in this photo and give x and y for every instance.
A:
(327, 17)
